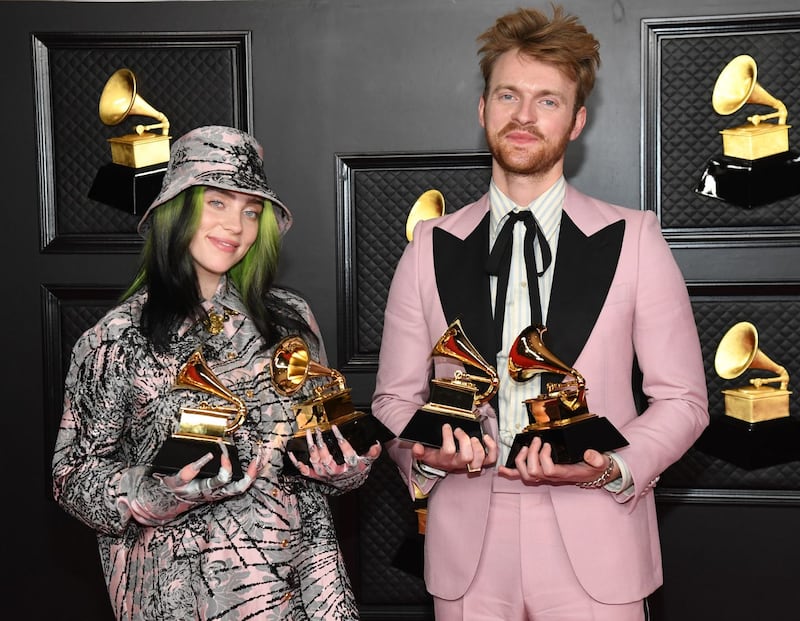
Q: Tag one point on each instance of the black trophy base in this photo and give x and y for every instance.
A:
(175, 453)
(130, 189)
(752, 445)
(751, 183)
(425, 427)
(570, 441)
(361, 432)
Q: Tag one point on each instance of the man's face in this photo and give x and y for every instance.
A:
(528, 115)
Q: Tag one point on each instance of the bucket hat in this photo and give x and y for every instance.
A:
(217, 157)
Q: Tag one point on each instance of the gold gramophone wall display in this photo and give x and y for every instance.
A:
(453, 400)
(757, 401)
(559, 415)
(290, 368)
(756, 167)
(118, 101)
(138, 159)
(201, 427)
(430, 204)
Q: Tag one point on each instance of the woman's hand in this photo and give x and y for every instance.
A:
(323, 467)
(157, 499)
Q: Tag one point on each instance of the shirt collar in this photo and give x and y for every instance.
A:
(546, 207)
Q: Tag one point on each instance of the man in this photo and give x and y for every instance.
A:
(543, 540)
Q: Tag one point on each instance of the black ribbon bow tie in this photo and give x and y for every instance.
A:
(499, 264)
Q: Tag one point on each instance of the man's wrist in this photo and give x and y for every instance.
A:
(429, 472)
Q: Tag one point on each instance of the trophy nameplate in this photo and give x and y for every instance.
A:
(331, 405)
(201, 428)
(453, 401)
(559, 416)
(737, 352)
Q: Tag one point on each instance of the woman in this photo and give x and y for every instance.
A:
(183, 545)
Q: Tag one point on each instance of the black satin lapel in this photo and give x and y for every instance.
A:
(585, 267)
(463, 284)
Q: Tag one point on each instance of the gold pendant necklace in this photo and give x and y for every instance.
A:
(215, 321)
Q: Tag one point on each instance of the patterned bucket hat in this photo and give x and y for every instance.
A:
(218, 157)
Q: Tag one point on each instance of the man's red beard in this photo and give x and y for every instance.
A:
(539, 159)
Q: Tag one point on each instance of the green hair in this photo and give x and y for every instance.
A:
(168, 273)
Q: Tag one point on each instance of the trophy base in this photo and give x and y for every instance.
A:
(752, 445)
(756, 404)
(130, 189)
(570, 441)
(751, 183)
(177, 452)
(361, 431)
(425, 427)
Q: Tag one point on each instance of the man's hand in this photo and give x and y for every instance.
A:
(534, 464)
(459, 451)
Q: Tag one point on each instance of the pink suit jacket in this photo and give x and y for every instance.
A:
(617, 295)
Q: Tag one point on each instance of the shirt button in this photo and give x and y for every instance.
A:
(285, 543)
(250, 394)
(275, 492)
(231, 355)
(287, 596)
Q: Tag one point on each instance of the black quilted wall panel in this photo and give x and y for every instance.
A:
(193, 78)
(376, 192)
(775, 311)
(681, 128)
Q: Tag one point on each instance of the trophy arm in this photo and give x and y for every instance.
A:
(782, 377)
(241, 415)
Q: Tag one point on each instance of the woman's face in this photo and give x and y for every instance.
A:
(227, 229)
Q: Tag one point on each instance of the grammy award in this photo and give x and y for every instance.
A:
(138, 159)
(560, 415)
(757, 401)
(203, 426)
(290, 368)
(756, 166)
(453, 400)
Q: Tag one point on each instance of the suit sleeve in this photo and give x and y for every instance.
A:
(405, 364)
(668, 350)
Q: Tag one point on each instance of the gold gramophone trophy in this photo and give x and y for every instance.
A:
(203, 426)
(757, 166)
(332, 404)
(560, 415)
(138, 160)
(756, 402)
(453, 400)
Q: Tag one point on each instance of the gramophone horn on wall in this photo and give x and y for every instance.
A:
(118, 101)
(738, 352)
(138, 160)
(756, 166)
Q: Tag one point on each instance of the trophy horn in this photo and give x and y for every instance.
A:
(529, 356)
(291, 366)
(455, 344)
(430, 204)
(119, 100)
(738, 351)
(737, 85)
(196, 375)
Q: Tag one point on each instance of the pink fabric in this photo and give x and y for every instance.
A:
(614, 548)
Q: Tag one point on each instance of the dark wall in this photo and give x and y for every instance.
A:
(348, 77)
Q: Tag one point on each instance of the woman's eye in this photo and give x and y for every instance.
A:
(252, 214)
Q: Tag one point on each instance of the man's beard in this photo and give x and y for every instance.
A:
(541, 159)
